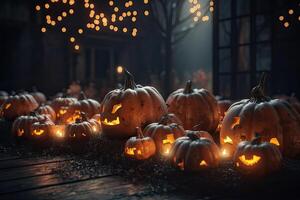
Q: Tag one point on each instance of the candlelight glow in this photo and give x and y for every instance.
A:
(236, 122)
(111, 123)
(203, 163)
(228, 140)
(274, 141)
(20, 132)
(7, 106)
(116, 108)
(250, 162)
(38, 132)
(167, 144)
(225, 153)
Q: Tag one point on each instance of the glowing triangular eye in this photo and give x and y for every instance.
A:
(116, 108)
(274, 141)
(7, 106)
(228, 140)
(203, 163)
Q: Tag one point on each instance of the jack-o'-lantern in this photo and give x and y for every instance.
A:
(257, 158)
(38, 96)
(122, 110)
(94, 121)
(89, 106)
(22, 126)
(194, 153)
(42, 131)
(164, 134)
(46, 110)
(274, 120)
(60, 104)
(80, 131)
(18, 105)
(193, 107)
(3, 97)
(140, 147)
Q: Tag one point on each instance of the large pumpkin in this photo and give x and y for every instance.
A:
(122, 110)
(275, 120)
(22, 126)
(194, 153)
(164, 134)
(46, 110)
(18, 105)
(193, 107)
(257, 158)
(140, 147)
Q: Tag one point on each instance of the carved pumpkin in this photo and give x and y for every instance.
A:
(80, 131)
(18, 105)
(164, 134)
(193, 107)
(122, 110)
(22, 125)
(89, 106)
(42, 131)
(3, 97)
(275, 120)
(94, 121)
(62, 102)
(46, 110)
(224, 105)
(140, 147)
(194, 153)
(257, 158)
(38, 96)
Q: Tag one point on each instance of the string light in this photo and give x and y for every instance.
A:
(120, 18)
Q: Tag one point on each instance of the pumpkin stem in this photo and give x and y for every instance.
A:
(165, 120)
(139, 132)
(192, 136)
(129, 81)
(188, 87)
(257, 139)
(82, 96)
(197, 127)
(258, 92)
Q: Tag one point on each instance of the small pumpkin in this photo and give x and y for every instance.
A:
(38, 96)
(18, 105)
(42, 131)
(122, 110)
(275, 120)
(46, 110)
(22, 126)
(257, 158)
(80, 131)
(140, 147)
(194, 153)
(164, 134)
(193, 107)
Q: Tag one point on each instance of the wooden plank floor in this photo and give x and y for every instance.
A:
(39, 178)
(36, 178)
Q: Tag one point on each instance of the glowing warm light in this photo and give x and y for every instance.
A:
(63, 29)
(167, 143)
(281, 18)
(80, 31)
(72, 39)
(228, 140)
(236, 122)
(20, 132)
(274, 141)
(120, 69)
(291, 11)
(47, 6)
(286, 24)
(43, 29)
(7, 106)
(76, 47)
(225, 153)
(116, 108)
(38, 132)
(203, 163)
(130, 151)
(111, 123)
(71, 11)
(124, 30)
(181, 165)
(37, 7)
(250, 162)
